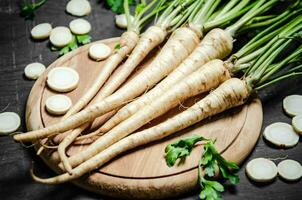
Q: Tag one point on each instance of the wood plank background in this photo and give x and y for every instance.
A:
(17, 50)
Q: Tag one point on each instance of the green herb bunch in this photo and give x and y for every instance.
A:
(211, 160)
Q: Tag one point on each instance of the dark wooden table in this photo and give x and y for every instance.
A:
(17, 50)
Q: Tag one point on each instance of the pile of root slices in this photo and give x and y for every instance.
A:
(196, 56)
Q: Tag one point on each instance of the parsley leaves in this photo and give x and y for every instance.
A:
(28, 9)
(77, 40)
(117, 5)
(180, 149)
(117, 46)
(83, 39)
(210, 161)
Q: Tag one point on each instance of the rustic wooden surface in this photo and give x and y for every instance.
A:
(17, 50)
(143, 172)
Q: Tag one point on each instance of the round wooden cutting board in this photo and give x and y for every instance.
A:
(142, 173)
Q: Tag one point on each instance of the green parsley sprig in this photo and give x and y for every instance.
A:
(77, 40)
(28, 9)
(210, 161)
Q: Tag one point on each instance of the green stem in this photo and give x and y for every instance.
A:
(277, 67)
(171, 12)
(201, 18)
(261, 18)
(259, 8)
(39, 4)
(295, 69)
(240, 68)
(198, 7)
(274, 21)
(130, 25)
(212, 10)
(227, 8)
(264, 61)
(150, 15)
(180, 19)
(249, 57)
(148, 7)
(278, 79)
(262, 37)
(237, 11)
(289, 29)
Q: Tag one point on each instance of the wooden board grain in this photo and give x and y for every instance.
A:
(143, 173)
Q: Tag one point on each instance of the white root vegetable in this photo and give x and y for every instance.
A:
(261, 170)
(74, 135)
(9, 122)
(60, 36)
(297, 123)
(121, 21)
(281, 134)
(41, 31)
(182, 41)
(78, 7)
(216, 44)
(34, 70)
(80, 26)
(290, 170)
(64, 144)
(58, 104)
(128, 41)
(99, 51)
(206, 78)
(63, 79)
(229, 94)
(150, 39)
(293, 105)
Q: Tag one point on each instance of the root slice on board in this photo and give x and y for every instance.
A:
(58, 104)
(62, 79)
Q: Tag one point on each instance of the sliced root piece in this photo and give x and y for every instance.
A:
(78, 7)
(41, 31)
(60, 36)
(297, 123)
(9, 122)
(281, 134)
(80, 26)
(34, 70)
(121, 21)
(261, 170)
(290, 170)
(62, 79)
(58, 104)
(99, 51)
(293, 105)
